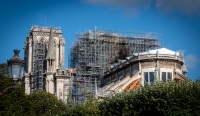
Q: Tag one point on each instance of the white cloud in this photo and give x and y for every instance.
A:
(130, 6)
(189, 7)
(191, 61)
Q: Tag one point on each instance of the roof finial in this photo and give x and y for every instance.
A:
(16, 51)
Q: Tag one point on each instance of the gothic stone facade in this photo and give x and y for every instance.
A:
(44, 60)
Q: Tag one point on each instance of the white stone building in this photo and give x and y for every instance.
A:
(44, 52)
(143, 69)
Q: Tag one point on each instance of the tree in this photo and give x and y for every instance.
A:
(13, 100)
(4, 71)
(90, 108)
(44, 103)
(158, 99)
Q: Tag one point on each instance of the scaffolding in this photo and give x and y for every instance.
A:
(38, 81)
(94, 50)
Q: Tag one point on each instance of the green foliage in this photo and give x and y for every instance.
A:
(89, 108)
(44, 103)
(13, 101)
(5, 82)
(169, 98)
(159, 99)
(4, 71)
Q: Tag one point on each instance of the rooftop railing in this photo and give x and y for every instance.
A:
(139, 57)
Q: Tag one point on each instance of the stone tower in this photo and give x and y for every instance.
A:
(50, 62)
(43, 54)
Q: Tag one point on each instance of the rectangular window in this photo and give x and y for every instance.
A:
(151, 77)
(120, 74)
(145, 78)
(169, 74)
(164, 76)
(114, 78)
(127, 71)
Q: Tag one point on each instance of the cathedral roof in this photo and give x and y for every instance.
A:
(51, 50)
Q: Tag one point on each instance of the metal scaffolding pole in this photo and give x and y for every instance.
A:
(38, 80)
(94, 50)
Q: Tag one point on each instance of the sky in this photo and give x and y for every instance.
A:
(177, 22)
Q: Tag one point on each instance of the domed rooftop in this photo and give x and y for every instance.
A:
(159, 51)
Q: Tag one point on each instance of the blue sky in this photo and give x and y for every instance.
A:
(177, 22)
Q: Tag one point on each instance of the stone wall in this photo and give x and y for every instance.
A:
(130, 70)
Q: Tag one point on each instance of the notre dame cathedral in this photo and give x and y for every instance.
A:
(44, 52)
